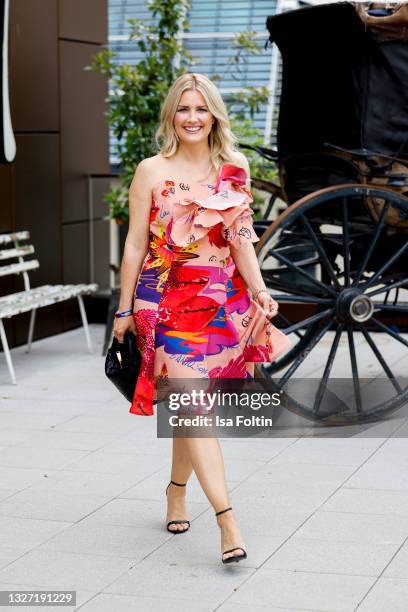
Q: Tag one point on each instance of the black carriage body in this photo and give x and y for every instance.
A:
(344, 91)
(336, 259)
(342, 83)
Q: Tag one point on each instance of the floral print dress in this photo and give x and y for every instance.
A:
(193, 314)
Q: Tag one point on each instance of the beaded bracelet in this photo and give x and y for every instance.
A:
(124, 313)
(255, 295)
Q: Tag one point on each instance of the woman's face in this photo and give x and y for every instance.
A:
(193, 121)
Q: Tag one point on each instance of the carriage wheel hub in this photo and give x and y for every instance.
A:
(352, 305)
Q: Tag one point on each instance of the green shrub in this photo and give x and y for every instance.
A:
(137, 93)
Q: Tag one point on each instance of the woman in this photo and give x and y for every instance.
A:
(189, 247)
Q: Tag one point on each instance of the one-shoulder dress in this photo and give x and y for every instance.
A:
(193, 313)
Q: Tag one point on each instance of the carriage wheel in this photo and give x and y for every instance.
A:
(326, 254)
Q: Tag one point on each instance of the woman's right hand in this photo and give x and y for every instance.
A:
(122, 325)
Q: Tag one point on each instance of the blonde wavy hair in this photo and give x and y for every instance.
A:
(223, 143)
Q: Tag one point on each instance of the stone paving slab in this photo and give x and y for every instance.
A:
(40, 458)
(21, 478)
(386, 594)
(368, 501)
(103, 462)
(209, 584)
(195, 551)
(237, 607)
(307, 590)
(27, 533)
(351, 558)
(126, 603)
(343, 452)
(398, 568)
(355, 527)
(78, 440)
(82, 500)
(137, 513)
(50, 505)
(381, 476)
(108, 540)
(71, 571)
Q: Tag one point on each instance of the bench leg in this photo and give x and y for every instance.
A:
(7, 352)
(31, 330)
(85, 322)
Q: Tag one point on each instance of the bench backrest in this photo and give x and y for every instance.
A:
(14, 250)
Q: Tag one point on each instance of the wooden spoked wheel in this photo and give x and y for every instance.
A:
(340, 277)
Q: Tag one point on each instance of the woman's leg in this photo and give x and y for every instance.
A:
(180, 472)
(208, 463)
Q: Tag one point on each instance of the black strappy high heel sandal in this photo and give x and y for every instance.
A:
(234, 557)
(177, 522)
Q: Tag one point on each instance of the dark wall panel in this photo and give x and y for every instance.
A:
(58, 112)
(37, 209)
(101, 187)
(34, 65)
(85, 20)
(101, 254)
(6, 199)
(84, 131)
(75, 240)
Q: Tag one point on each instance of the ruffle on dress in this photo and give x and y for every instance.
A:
(262, 341)
(227, 209)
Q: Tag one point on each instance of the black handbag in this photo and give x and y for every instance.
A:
(122, 364)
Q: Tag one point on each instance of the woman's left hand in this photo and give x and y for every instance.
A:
(268, 304)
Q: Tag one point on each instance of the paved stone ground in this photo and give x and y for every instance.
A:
(82, 503)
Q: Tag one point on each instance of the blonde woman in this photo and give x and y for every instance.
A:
(188, 263)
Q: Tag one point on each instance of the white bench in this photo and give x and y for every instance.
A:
(31, 299)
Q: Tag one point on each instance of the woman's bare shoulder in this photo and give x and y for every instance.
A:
(150, 165)
(149, 171)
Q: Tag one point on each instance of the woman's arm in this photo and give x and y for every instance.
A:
(137, 239)
(244, 256)
(246, 261)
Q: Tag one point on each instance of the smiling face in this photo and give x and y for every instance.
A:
(192, 120)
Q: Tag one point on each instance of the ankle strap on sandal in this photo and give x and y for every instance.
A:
(177, 483)
(221, 511)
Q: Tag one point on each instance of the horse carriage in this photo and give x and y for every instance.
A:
(336, 258)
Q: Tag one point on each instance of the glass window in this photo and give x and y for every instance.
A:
(212, 26)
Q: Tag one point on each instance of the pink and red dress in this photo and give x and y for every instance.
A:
(193, 313)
